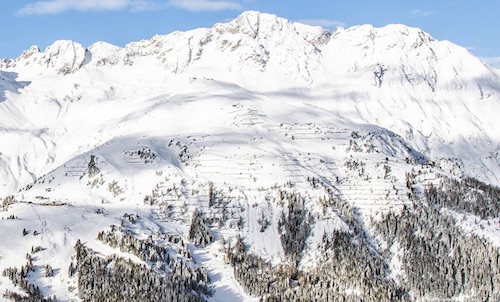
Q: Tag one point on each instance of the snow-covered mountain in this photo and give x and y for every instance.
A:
(237, 123)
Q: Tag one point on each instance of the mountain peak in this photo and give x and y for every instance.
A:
(263, 25)
(104, 54)
(65, 56)
(62, 56)
(249, 23)
(264, 43)
(30, 52)
(253, 17)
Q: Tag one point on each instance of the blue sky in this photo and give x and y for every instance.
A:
(472, 24)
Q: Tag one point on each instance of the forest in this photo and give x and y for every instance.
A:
(438, 259)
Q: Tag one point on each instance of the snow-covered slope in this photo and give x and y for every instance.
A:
(436, 95)
(241, 112)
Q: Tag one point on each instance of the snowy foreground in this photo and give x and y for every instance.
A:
(257, 158)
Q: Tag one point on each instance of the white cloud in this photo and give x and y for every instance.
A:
(421, 13)
(147, 5)
(59, 6)
(492, 61)
(206, 5)
(322, 22)
(52, 7)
